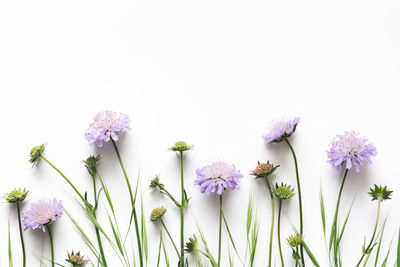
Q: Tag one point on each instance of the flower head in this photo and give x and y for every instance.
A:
(294, 240)
(180, 146)
(155, 182)
(281, 129)
(16, 195)
(380, 193)
(283, 191)
(76, 258)
(157, 214)
(91, 164)
(218, 176)
(35, 154)
(41, 213)
(107, 124)
(191, 245)
(263, 170)
(351, 149)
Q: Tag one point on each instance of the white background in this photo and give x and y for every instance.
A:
(212, 73)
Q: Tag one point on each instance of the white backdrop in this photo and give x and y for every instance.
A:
(212, 73)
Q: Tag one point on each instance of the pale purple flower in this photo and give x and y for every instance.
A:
(281, 129)
(218, 176)
(107, 124)
(351, 149)
(41, 213)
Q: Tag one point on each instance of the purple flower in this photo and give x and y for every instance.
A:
(218, 176)
(107, 124)
(41, 213)
(352, 149)
(281, 129)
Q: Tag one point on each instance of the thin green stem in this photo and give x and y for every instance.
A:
(51, 246)
(220, 230)
(272, 223)
(103, 257)
(373, 235)
(182, 258)
(170, 237)
(132, 204)
(279, 231)
(66, 179)
(299, 194)
(21, 235)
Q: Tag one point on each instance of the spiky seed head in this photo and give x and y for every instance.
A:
(76, 259)
(380, 193)
(157, 214)
(91, 164)
(16, 195)
(283, 191)
(191, 245)
(263, 170)
(35, 153)
(180, 146)
(294, 240)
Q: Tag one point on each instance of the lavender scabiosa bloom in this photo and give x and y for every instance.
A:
(350, 149)
(218, 176)
(105, 126)
(281, 129)
(42, 213)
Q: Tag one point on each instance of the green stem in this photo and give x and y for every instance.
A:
(132, 204)
(51, 246)
(279, 231)
(220, 230)
(299, 193)
(21, 235)
(182, 258)
(66, 179)
(103, 257)
(272, 224)
(170, 237)
(373, 235)
(335, 217)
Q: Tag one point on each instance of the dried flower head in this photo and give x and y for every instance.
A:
(294, 240)
(351, 149)
(106, 125)
(191, 245)
(42, 213)
(35, 153)
(180, 146)
(76, 258)
(157, 214)
(380, 193)
(16, 195)
(91, 164)
(155, 182)
(263, 170)
(283, 191)
(218, 176)
(281, 129)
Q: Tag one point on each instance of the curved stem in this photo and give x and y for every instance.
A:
(132, 204)
(182, 255)
(373, 235)
(272, 223)
(220, 230)
(279, 231)
(51, 246)
(170, 237)
(21, 235)
(299, 193)
(103, 257)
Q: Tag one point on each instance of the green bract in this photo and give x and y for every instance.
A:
(380, 193)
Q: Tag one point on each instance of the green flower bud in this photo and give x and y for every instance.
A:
(380, 193)
(157, 214)
(16, 195)
(35, 154)
(91, 164)
(180, 146)
(283, 191)
(191, 245)
(294, 240)
(155, 182)
(76, 259)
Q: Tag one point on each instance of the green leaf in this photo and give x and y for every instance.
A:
(398, 250)
(10, 261)
(322, 207)
(308, 251)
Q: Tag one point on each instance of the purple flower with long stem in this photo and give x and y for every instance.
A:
(281, 130)
(217, 177)
(40, 215)
(348, 150)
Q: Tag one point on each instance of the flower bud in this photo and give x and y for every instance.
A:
(91, 164)
(35, 154)
(263, 170)
(294, 240)
(157, 214)
(191, 245)
(180, 146)
(76, 258)
(16, 195)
